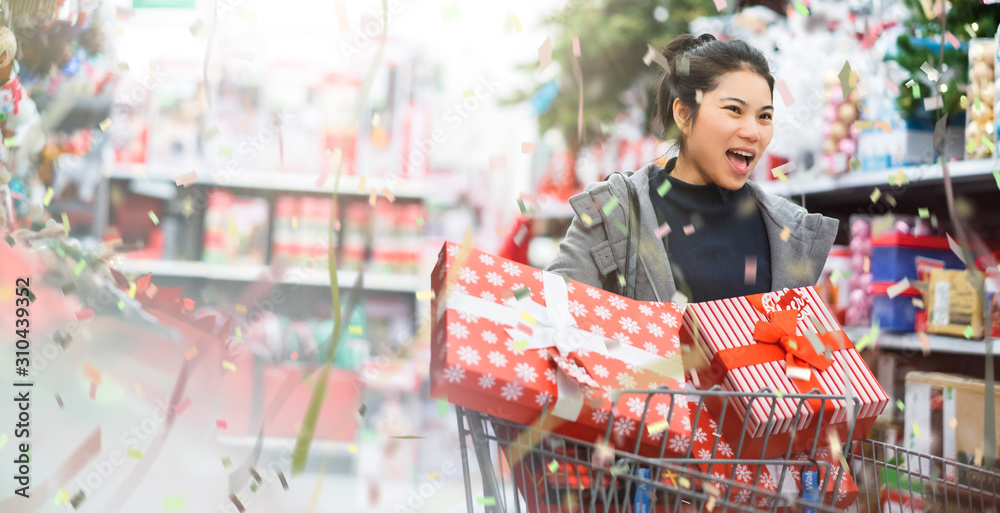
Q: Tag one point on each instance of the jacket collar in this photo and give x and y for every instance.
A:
(777, 213)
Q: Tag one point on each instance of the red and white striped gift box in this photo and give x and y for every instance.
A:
(725, 337)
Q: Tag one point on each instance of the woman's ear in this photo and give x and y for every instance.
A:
(681, 115)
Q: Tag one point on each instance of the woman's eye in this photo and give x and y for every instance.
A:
(733, 108)
(765, 116)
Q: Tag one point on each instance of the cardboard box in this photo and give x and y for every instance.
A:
(954, 304)
(933, 400)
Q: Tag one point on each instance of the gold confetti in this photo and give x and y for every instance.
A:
(553, 466)
(517, 23)
(241, 308)
(658, 427)
(105, 125)
(362, 182)
(191, 353)
(229, 366)
(527, 147)
(786, 232)
(388, 195)
(372, 196)
(468, 93)
(586, 219)
(875, 195)
(353, 449)
(916, 430)
(953, 422)
(424, 295)
(49, 194)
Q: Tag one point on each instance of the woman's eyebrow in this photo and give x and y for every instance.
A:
(745, 104)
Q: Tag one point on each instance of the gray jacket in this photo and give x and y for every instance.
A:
(589, 254)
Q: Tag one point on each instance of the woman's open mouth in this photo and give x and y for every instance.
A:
(740, 159)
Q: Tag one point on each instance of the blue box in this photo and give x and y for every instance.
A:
(896, 313)
(894, 256)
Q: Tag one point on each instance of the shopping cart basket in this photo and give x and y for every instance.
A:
(515, 460)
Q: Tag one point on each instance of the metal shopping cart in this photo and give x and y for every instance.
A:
(515, 462)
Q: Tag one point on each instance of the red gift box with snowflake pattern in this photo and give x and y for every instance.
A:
(512, 341)
(709, 444)
(789, 342)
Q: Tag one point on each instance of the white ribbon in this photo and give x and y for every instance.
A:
(535, 326)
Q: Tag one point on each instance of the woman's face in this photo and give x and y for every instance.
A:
(732, 130)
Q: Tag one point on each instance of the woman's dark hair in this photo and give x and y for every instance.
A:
(697, 64)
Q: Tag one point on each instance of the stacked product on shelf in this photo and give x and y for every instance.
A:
(396, 236)
(833, 284)
(841, 136)
(860, 279)
(980, 128)
(915, 280)
(355, 234)
(235, 229)
(899, 255)
(301, 230)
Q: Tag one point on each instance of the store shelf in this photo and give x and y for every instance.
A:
(818, 183)
(284, 181)
(910, 342)
(406, 283)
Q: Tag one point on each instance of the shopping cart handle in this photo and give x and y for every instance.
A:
(481, 444)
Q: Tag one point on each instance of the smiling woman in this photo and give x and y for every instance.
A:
(697, 229)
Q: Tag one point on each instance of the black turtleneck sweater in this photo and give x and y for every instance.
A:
(717, 245)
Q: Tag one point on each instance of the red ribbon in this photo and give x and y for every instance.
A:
(777, 341)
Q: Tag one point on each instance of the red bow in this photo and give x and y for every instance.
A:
(780, 330)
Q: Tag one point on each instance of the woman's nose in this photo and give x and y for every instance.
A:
(749, 130)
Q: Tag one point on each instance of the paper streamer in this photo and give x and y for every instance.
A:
(545, 54)
(898, 288)
(653, 55)
(186, 179)
(786, 93)
(308, 429)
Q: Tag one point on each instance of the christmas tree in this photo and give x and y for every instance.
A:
(961, 20)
